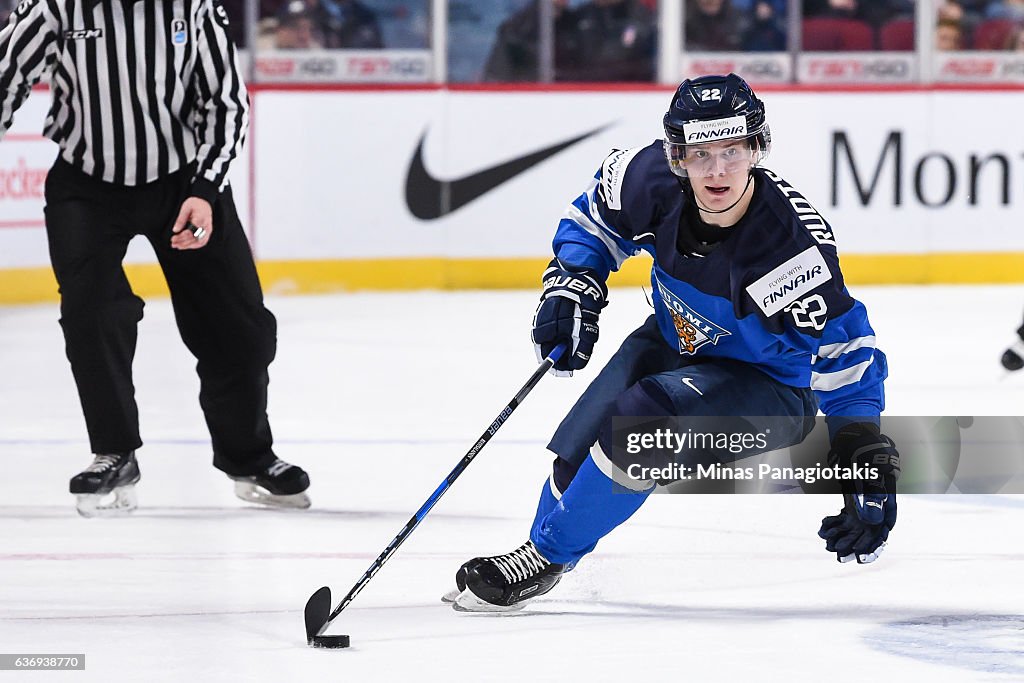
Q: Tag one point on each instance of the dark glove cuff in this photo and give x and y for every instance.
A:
(204, 189)
(854, 431)
(863, 444)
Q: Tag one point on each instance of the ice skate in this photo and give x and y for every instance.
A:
(1013, 357)
(109, 475)
(504, 583)
(460, 584)
(282, 485)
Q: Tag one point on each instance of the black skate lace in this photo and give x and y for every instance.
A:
(278, 468)
(102, 463)
(521, 563)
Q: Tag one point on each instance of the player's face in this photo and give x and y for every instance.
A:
(718, 171)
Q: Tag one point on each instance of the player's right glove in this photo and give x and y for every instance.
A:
(568, 310)
(862, 527)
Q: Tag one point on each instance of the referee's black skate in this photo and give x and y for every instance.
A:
(504, 583)
(115, 473)
(281, 485)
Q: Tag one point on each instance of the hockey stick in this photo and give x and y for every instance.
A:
(318, 614)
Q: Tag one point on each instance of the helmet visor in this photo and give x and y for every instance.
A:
(712, 158)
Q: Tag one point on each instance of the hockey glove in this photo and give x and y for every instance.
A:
(861, 529)
(568, 310)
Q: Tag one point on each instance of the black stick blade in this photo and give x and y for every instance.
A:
(318, 609)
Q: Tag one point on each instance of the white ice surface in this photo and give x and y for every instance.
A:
(378, 396)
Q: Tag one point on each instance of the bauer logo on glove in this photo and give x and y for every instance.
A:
(567, 313)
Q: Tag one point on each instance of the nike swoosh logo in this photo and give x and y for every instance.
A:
(428, 197)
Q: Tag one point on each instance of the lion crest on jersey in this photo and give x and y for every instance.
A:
(693, 329)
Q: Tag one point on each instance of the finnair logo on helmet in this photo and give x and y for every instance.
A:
(717, 129)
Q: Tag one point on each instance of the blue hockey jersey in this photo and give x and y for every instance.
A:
(771, 294)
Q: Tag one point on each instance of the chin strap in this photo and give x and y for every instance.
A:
(688, 186)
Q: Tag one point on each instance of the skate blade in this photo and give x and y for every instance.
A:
(467, 601)
(93, 505)
(451, 596)
(251, 493)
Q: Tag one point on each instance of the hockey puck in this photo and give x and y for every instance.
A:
(329, 642)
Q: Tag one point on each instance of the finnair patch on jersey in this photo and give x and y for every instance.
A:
(693, 329)
(613, 173)
(718, 129)
(790, 281)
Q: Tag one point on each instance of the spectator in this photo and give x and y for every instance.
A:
(1006, 9)
(766, 32)
(266, 34)
(611, 40)
(348, 24)
(949, 35)
(882, 12)
(873, 12)
(950, 11)
(296, 27)
(829, 8)
(976, 8)
(779, 7)
(714, 25)
(267, 11)
(966, 14)
(515, 55)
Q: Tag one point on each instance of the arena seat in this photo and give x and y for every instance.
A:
(831, 34)
(992, 34)
(897, 35)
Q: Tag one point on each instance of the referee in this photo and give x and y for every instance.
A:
(149, 110)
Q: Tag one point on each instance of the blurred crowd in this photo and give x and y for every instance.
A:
(889, 24)
(615, 40)
(308, 24)
(980, 25)
(599, 40)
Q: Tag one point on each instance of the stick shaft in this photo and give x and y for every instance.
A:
(415, 520)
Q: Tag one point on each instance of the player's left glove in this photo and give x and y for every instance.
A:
(861, 529)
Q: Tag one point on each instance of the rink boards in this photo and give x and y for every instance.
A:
(919, 185)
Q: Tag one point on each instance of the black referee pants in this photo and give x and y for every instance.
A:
(217, 300)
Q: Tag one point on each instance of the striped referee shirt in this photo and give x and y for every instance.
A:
(141, 88)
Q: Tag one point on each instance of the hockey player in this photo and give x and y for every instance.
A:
(1013, 357)
(751, 318)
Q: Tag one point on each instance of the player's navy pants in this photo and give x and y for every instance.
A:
(646, 377)
(217, 300)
